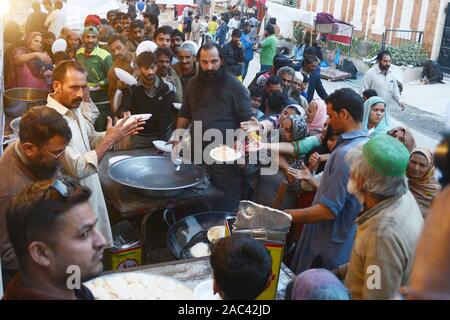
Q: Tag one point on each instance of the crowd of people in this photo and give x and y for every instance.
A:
(358, 191)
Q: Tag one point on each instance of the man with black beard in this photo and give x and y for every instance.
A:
(43, 137)
(215, 99)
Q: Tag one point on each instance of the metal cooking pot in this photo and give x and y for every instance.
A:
(155, 176)
(19, 100)
(192, 229)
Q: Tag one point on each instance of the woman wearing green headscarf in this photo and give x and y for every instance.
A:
(376, 118)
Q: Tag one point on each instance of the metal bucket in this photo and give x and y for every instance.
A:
(18, 100)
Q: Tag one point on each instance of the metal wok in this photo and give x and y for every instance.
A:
(189, 231)
(155, 176)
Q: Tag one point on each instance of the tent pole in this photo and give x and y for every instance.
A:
(351, 44)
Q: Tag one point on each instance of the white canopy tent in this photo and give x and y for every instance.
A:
(286, 16)
(77, 10)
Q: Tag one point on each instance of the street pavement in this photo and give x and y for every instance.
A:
(425, 137)
(426, 106)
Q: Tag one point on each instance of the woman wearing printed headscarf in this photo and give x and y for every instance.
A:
(421, 178)
(31, 66)
(292, 128)
(316, 115)
(376, 117)
(404, 136)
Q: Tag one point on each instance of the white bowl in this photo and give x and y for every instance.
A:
(204, 291)
(146, 46)
(161, 145)
(94, 89)
(142, 116)
(195, 44)
(177, 105)
(60, 45)
(125, 77)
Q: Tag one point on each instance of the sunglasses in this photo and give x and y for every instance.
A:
(65, 187)
(55, 156)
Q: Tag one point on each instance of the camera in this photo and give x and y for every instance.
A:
(442, 158)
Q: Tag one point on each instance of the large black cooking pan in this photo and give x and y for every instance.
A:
(156, 176)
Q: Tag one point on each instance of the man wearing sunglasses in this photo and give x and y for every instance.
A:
(87, 147)
(43, 137)
(52, 228)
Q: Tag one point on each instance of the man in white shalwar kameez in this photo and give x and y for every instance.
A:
(87, 147)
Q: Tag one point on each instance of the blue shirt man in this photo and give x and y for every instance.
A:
(327, 238)
(247, 43)
(329, 244)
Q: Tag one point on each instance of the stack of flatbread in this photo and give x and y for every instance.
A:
(138, 286)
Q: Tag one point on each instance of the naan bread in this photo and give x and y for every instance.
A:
(224, 153)
(216, 233)
(138, 286)
(200, 250)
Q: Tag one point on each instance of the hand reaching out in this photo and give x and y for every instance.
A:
(304, 174)
(121, 85)
(252, 125)
(43, 57)
(123, 128)
(314, 160)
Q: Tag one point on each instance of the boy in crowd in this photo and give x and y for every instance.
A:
(242, 267)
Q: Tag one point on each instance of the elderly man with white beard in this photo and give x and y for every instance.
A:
(389, 224)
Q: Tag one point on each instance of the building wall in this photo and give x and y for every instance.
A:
(372, 17)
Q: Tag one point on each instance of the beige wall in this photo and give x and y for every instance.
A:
(422, 15)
